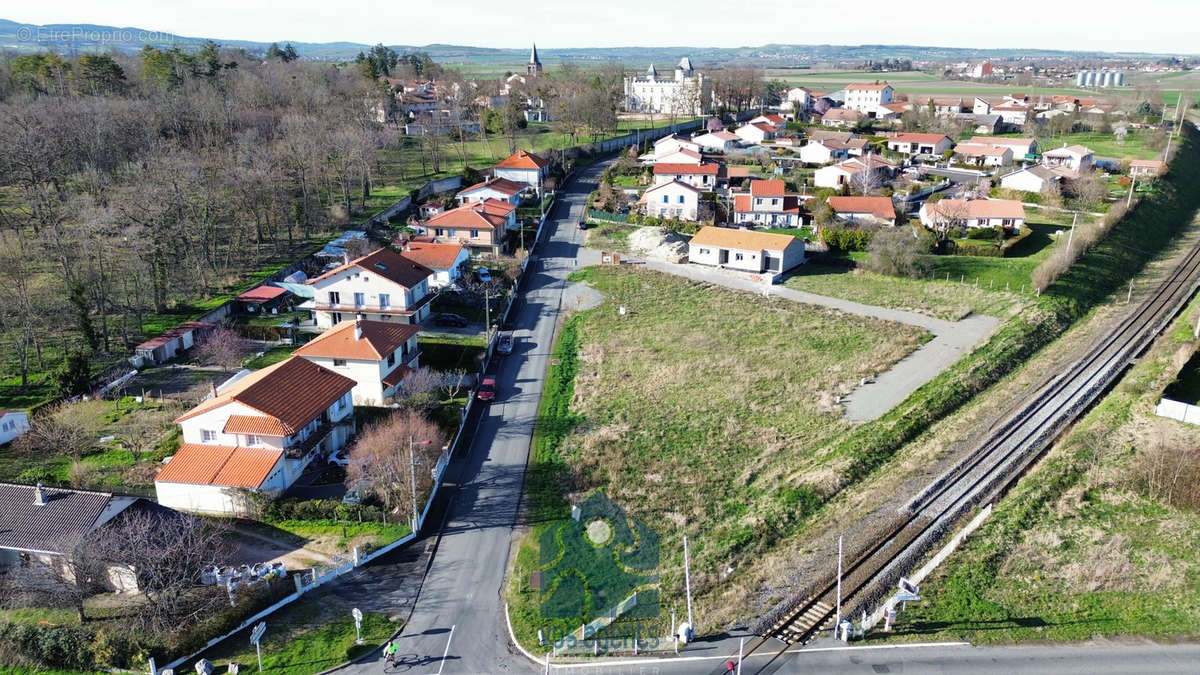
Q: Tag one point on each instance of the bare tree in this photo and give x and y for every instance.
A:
(418, 390)
(948, 215)
(63, 428)
(389, 453)
(223, 347)
(898, 251)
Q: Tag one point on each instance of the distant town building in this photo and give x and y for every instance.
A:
(688, 93)
(534, 67)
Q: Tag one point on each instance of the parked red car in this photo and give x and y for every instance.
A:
(487, 389)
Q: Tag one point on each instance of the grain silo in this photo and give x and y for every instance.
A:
(1091, 79)
(1081, 78)
(1106, 79)
(1118, 79)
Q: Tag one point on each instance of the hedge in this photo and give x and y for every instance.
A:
(845, 238)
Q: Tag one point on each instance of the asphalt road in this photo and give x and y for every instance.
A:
(910, 659)
(464, 585)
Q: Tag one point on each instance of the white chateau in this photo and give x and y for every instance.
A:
(688, 93)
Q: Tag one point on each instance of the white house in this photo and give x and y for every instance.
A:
(1015, 114)
(445, 260)
(796, 100)
(1074, 158)
(719, 141)
(13, 423)
(746, 250)
(679, 156)
(868, 97)
(687, 93)
(702, 176)
(524, 167)
(911, 143)
(382, 286)
(983, 155)
(669, 144)
(1021, 147)
(1006, 213)
(767, 204)
(377, 355)
(755, 132)
(841, 117)
(258, 434)
(864, 209)
(854, 172)
(1138, 168)
(1036, 178)
(502, 189)
(674, 199)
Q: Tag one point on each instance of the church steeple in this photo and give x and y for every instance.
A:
(534, 67)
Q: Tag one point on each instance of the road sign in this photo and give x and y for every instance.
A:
(907, 597)
(908, 586)
(357, 614)
(255, 637)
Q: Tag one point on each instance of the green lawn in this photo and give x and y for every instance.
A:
(802, 232)
(450, 352)
(271, 357)
(1135, 146)
(631, 409)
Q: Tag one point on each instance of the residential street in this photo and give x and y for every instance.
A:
(464, 586)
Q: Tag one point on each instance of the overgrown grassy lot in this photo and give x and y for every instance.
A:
(1091, 542)
(675, 409)
(1138, 144)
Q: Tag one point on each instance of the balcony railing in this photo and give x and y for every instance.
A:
(324, 429)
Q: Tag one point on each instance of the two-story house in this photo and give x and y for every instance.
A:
(524, 167)
(482, 226)
(445, 260)
(256, 434)
(756, 132)
(767, 204)
(701, 176)
(382, 286)
(501, 189)
(377, 355)
(674, 199)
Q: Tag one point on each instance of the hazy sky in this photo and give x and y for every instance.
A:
(1149, 25)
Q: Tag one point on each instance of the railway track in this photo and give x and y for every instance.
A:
(1012, 446)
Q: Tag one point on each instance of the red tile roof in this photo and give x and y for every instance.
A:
(501, 185)
(379, 338)
(489, 214)
(912, 137)
(707, 168)
(980, 208)
(396, 376)
(257, 425)
(295, 392)
(767, 188)
(523, 160)
(262, 293)
(388, 264)
(222, 465)
(880, 207)
(433, 256)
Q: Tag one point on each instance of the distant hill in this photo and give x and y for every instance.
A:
(72, 38)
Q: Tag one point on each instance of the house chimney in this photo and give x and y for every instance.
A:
(212, 388)
(39, 496)
(358, 328)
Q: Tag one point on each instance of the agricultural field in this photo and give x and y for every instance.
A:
(686, 411)
(1097, 540)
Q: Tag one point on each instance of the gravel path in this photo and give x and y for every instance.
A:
(951, 339)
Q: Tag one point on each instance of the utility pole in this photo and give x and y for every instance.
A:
(412, 470)
(1129, 199)
(838, 620)
(1074, 219)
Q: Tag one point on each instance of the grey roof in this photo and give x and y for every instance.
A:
(27, 525)
(685, 64)
(533, 57)
(651, 71)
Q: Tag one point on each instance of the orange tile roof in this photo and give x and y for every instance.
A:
(767, 188)
(741, 202)
(489, 214)
(912, 137)
(880, 207)
(1000, 140)
(981, 208)
(257, 425)
(1146, 163)
(223, 465)
(388, 264)
(501, 185)
(294, 392)
(379, 338)
(261, 293)
(979, 149)
(867, 87)
(841, 114)
(748, 240)
(433, 256)
(523, 160)
(396, 376)
(707, 168)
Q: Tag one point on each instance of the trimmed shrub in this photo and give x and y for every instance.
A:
(846, 238)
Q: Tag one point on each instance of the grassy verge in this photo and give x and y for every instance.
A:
(451, 352)
(270, 357)
(1081, 547)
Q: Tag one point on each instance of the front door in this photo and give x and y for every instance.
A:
(723, 257)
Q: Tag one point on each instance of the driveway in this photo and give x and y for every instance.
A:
(951, 339)
(464, 586)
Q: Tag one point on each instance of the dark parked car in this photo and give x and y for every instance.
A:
(448, 319)
(505, 344)
(487, 389)
(582, 225)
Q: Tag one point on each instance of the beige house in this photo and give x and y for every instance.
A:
(481, 226)
(745, 250)
(256, 434)
(381, 286)
(1073, 158)
(864, 209)
(377, 355)
(1021, 147)
(983, 155)
(841, 117)
(1006, 213)
(1147, 168)
(855, 172)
